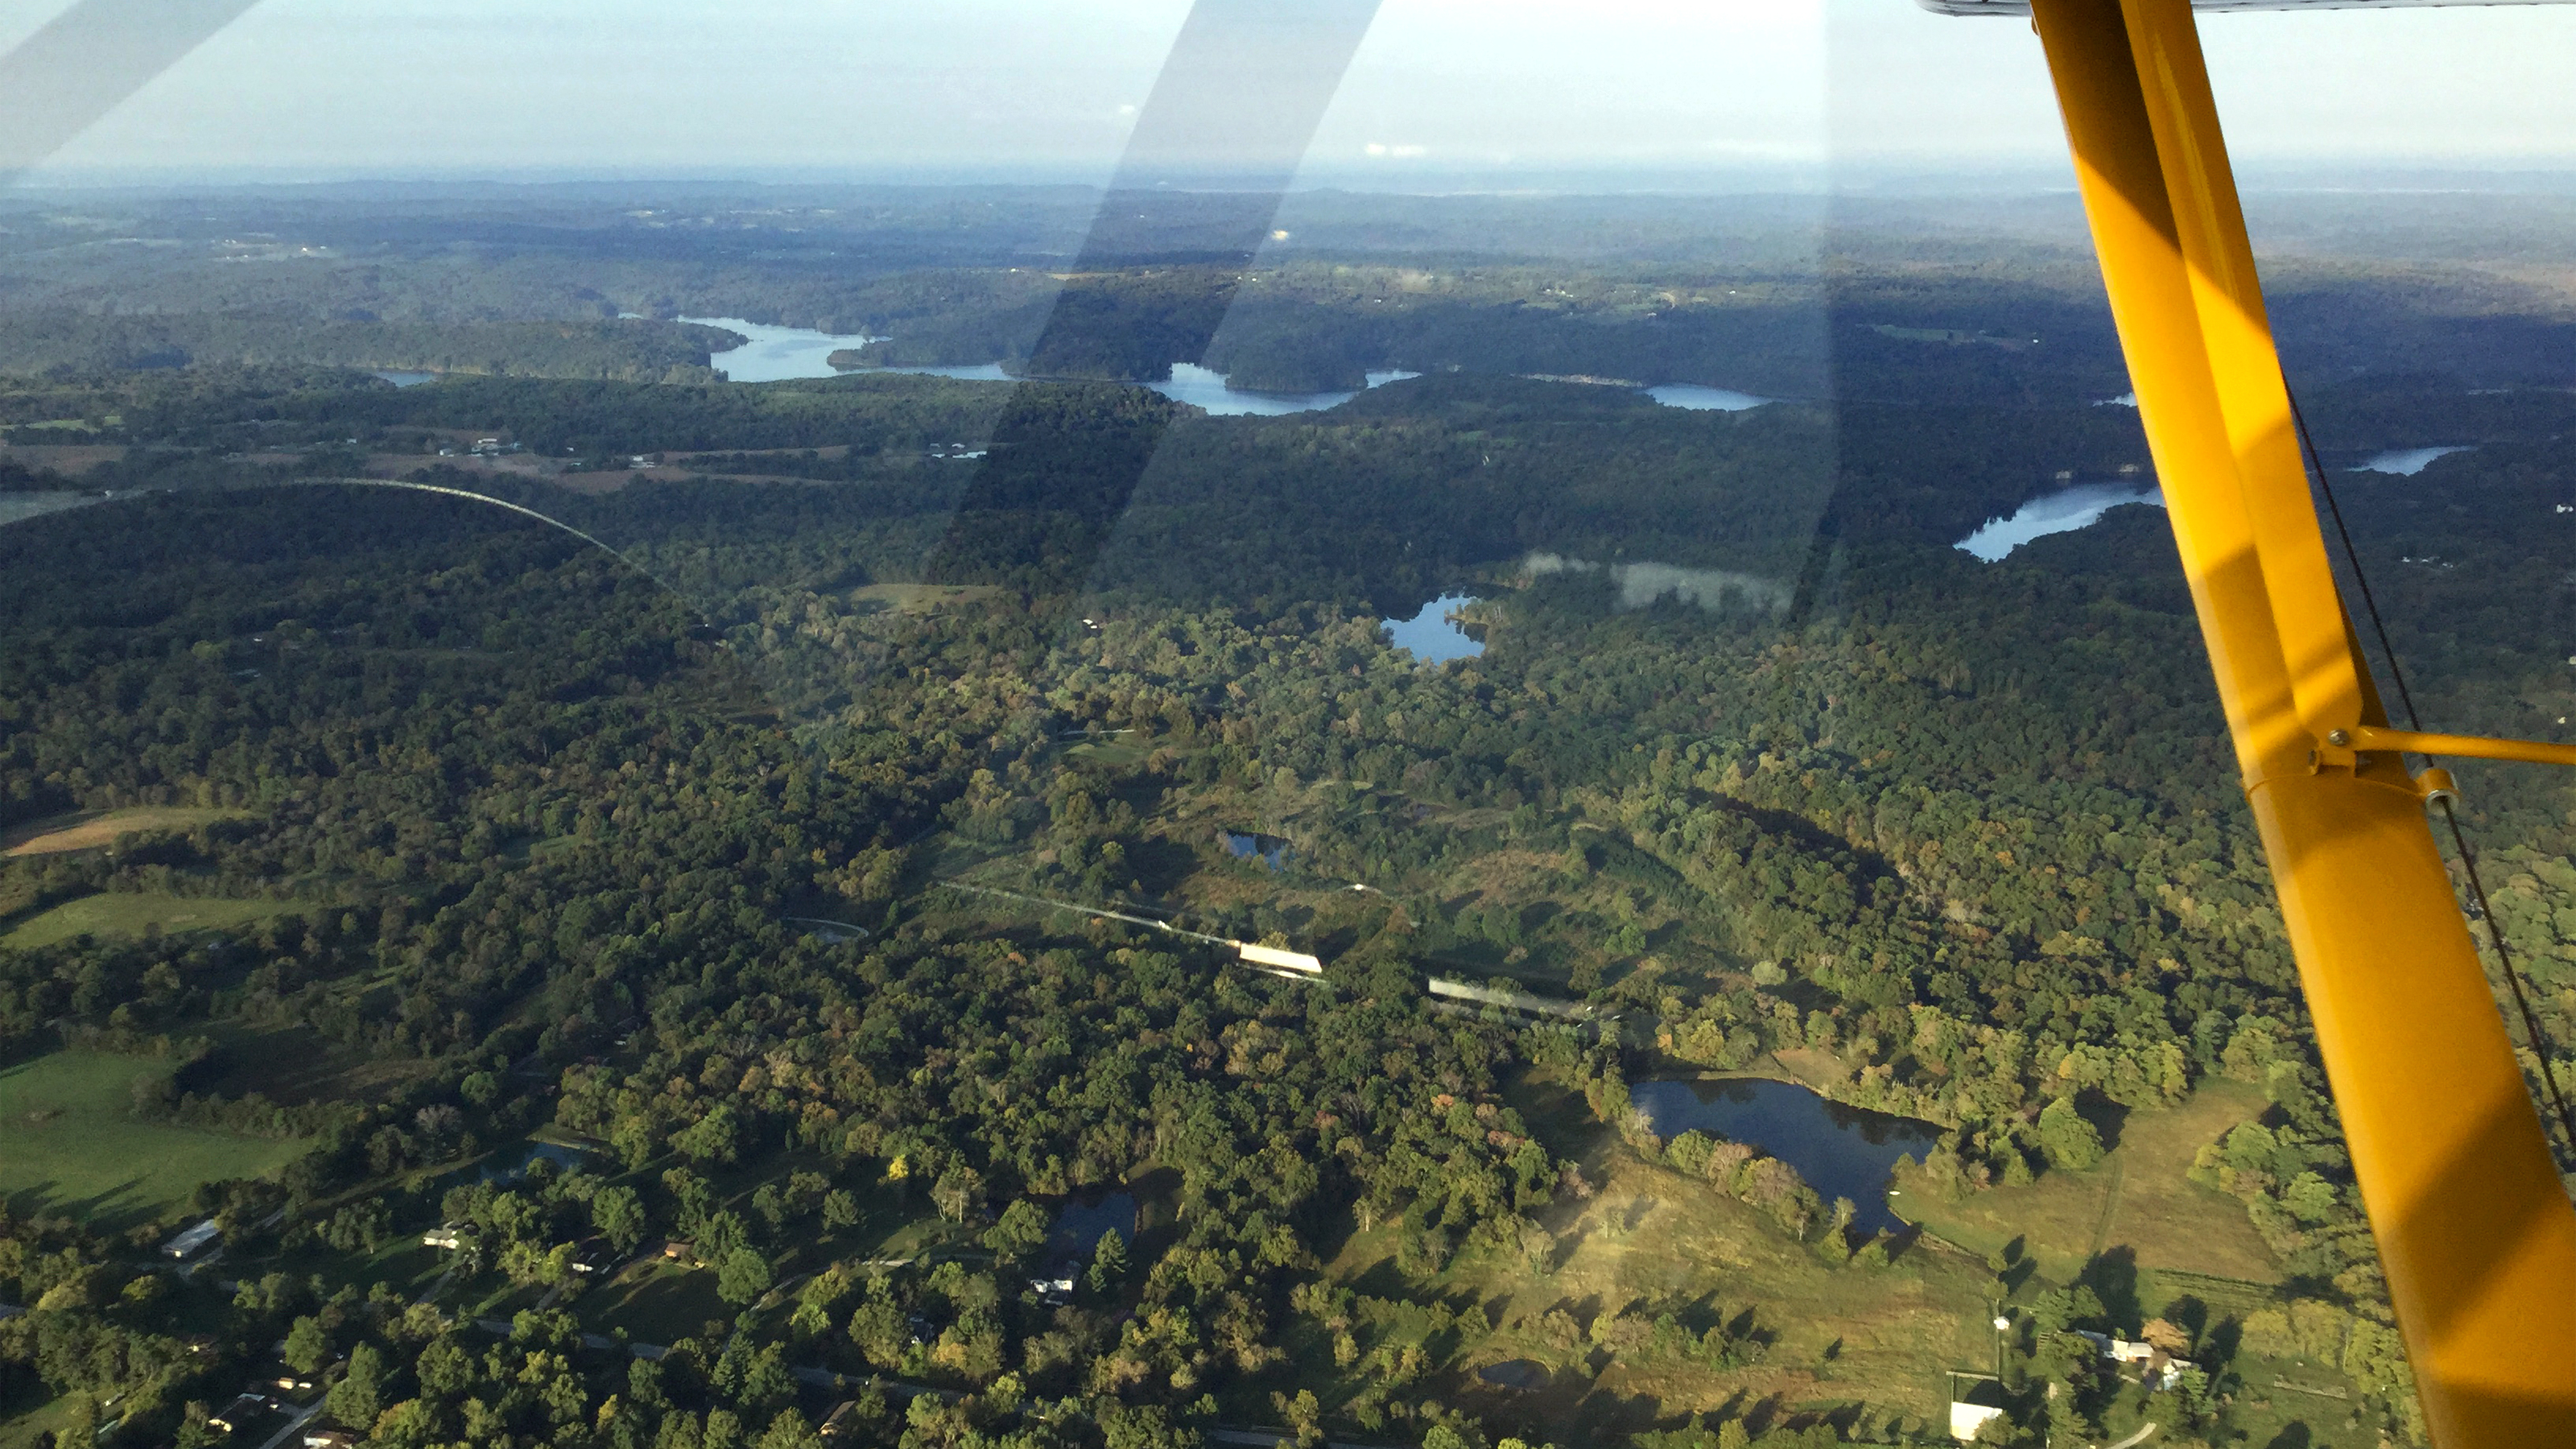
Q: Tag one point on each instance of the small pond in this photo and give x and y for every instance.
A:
(1270, 850)
(2063, 511)
(1841, 1151)
(1515, 1373)
(2407, 462)
(1079, 1226)
(406, 379)
(1704, 399)
(1433, 633)
(565, 1159)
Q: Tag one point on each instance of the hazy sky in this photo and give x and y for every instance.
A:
(884, 87)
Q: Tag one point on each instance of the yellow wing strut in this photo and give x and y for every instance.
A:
(2474, 1229)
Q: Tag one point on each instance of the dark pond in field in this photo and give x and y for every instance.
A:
(1841, 1151)
(1515, 1373)
(565, 1159)
(1079, 1226)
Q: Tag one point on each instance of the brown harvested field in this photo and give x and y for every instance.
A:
(828, 450)
(90, 829)
(67, 459)
(609, 480)
(2139, 1198)
(516, 465)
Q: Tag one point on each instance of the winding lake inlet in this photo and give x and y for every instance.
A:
(1841, 1151)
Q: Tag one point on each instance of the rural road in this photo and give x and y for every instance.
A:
(1265, 1438)
(2138, 1438)
(292, 1425)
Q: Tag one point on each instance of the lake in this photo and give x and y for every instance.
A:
(2064, 511)
(1841, 1151)
(2407, 462)
(1431, 634)
(1704, 399)
(19, 507)
(1197, 386)
(775, 354)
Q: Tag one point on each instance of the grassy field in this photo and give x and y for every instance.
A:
(69, 1143)
(35, 1427)
(920, 598)
(2138, 1198)
(656, 1302)
(293, 1065)
(90, 828)
(117, 913)
(1654, 1240)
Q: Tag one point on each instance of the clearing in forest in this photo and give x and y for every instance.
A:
(1651, 1241)
(920, 598)
(70, 1143)
(124, 913)
(2139, 1198)
(90, 828)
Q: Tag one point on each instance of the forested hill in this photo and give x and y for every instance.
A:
(431, 835)
(676, 981)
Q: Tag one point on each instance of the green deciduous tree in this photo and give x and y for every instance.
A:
(2069, 1140)
(1022, 1230)
(742, 1276)
(359, 1395)
(308, 1345)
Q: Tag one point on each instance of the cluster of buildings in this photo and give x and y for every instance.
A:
(1983, 1401)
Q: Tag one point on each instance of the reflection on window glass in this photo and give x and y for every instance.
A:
(1404, 724)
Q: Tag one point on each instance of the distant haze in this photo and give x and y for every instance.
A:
(1471, 94)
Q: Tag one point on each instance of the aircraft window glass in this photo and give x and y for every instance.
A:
(1422, 723)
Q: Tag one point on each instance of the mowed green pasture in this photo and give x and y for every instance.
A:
(2141, 1198)
(118, 913)
(1651, 1240)
(69, 1143)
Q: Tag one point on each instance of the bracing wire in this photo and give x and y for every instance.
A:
(2459, 839)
